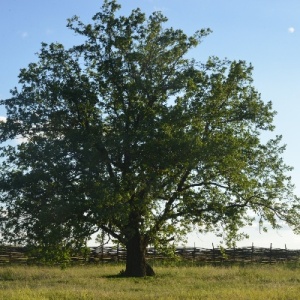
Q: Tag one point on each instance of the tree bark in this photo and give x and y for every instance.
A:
(136, 265)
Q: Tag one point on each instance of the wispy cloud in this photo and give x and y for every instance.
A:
(160, 8)
(291, 29)
(24, 34)
(49, 31)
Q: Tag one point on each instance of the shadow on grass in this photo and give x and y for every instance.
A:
(115, 276)
(121, 274)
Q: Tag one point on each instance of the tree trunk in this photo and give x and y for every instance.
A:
(136, 265)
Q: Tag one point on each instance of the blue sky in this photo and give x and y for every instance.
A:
(263, 32)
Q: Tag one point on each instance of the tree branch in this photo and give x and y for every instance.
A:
(104, 152)
(164, 216)
(203, 183)
(112, 233)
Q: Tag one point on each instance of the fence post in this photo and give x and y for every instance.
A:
(117, 252)
(270, 260)
(10, 255)
(234, 253)
(194, 254)
(252, 252)
(214, 262)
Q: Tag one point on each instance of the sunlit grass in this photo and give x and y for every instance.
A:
(100, 282)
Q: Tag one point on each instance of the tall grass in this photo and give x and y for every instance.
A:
(100, 282)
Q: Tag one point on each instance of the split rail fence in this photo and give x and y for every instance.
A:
(216, 256)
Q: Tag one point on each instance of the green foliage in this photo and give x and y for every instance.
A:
(126, 134)
(50, 255)
(55, 254)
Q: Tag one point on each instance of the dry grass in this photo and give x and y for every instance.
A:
(99, 282)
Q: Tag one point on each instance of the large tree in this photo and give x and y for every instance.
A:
(124, 133)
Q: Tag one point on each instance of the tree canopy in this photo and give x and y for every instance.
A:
(126, 134)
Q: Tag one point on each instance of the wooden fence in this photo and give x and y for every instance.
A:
(243, 255)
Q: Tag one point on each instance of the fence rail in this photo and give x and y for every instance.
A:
(244, 255)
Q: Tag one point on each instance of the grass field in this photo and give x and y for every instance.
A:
(100, 282)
